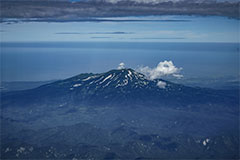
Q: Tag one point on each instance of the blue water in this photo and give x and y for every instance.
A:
(58, 60)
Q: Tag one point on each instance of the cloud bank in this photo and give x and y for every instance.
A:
(164, 68)
(65, 10)
(173, 1)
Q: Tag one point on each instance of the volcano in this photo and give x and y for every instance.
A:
(117, 88)
(119, 114)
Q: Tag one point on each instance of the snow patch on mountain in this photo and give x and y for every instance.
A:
(206, 141)
(106, 79)
(88, 78)
(130, 75)
(77, 85)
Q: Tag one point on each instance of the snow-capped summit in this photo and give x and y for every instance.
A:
(118, 87)
(124, 78)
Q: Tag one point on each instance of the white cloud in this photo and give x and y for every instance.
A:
(121, 65)
(162, 84)
(163, 69)
(178, 76)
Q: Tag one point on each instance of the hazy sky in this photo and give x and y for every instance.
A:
(46, 61)
(127, 29)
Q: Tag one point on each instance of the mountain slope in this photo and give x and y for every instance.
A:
(118, 87)
(119, 114)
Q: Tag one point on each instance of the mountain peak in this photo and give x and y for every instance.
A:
(125, 79)
(115, 87)
(126, 72)
(120, 80)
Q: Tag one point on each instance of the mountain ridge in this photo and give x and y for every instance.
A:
(119, 87)
(135, 120)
